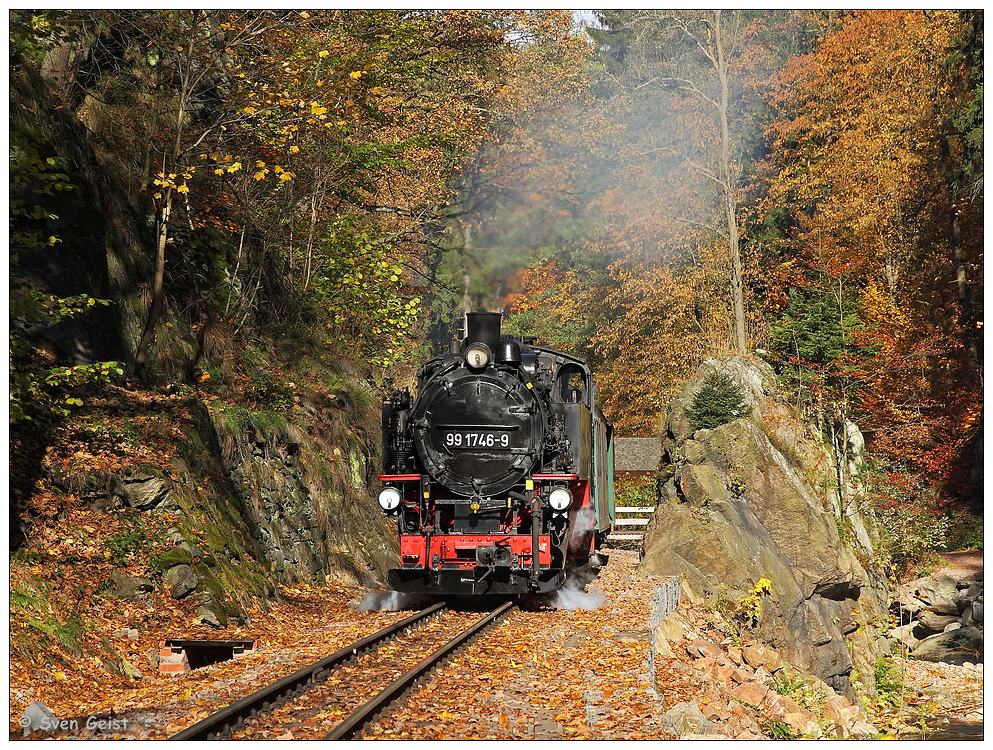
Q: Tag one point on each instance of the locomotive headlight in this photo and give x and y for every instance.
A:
(560, 498)
(477, 356)
(389, 498)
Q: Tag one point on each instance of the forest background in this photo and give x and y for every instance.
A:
(646, 191)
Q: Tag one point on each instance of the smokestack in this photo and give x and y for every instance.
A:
(483, 327)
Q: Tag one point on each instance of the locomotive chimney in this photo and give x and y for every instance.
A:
(483, 327)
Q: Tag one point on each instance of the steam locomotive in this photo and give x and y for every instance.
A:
(500, 472)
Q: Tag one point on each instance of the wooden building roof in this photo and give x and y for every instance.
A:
(637, 454)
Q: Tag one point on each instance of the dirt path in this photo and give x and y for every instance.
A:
(966, 565)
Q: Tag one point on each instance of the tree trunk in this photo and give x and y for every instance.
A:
(158, 288)
(158, 280)
(727, 180)
(310, 241)
(966, 316)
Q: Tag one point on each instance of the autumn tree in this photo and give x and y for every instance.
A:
(864, 211)
(694, 55)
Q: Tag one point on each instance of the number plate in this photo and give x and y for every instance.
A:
(477, 439)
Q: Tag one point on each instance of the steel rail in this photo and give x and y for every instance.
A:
(224, 721)
(365, 713)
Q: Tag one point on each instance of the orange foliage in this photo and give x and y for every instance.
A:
(860, 158)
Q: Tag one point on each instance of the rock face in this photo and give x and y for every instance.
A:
(144, 492)
(302, 490)
(738, 700)
(758, 498)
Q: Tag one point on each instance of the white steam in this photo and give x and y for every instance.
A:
(571, 596)
(581, 528)
(385, 601)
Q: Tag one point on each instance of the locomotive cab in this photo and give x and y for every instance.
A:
(500, 471)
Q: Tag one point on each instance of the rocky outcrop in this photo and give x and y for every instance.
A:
(751, 692)
(758, 498)
(301, 487)
(942, 619)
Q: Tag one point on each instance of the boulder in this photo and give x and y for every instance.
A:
(735, 655)
(213, 614)
(759, 655)
(934, 621)
(701, 649)
(763, 676)
(37, 717)
(935, 591)
(181, 581)
(777, 706)
(905, 635)
(124, 586)
(687, 718)
(799, 721)
(144, 491)
(740, 675)
(758, 499)
(750, 693)
(863, 729)
(954, 647)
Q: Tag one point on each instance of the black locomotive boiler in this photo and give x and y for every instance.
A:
(500, 471)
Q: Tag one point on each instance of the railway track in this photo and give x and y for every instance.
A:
(308, 697)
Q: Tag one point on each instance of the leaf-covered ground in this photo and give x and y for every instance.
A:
(544, 673)
(550, 673)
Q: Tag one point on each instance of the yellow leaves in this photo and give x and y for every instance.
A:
(317, 109)
(259, 164)
(286, 177)
(261, 175)
(356, 74)
(294, 149)
(184, 189)
(219, 171)
(234, 167)
(249, 110)
(323, 53)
